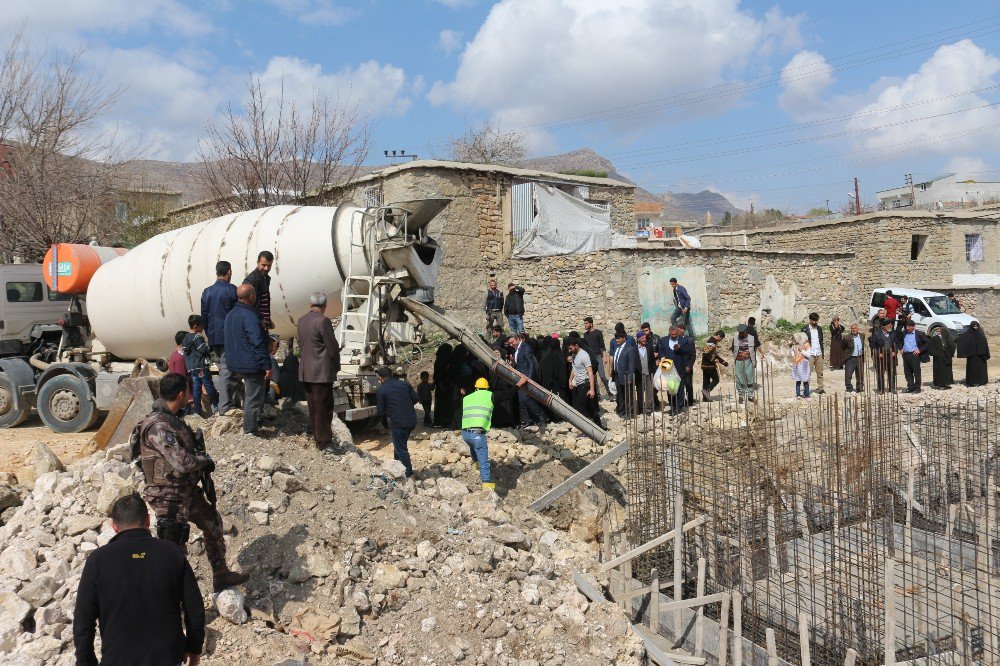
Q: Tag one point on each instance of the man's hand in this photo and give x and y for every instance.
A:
(267, 375)
(524, 380)
(192, 659)
(590, 393)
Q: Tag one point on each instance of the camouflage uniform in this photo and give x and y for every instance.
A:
(173, 468)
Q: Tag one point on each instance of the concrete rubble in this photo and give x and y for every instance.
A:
(349, 561)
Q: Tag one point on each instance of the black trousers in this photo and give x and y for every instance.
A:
(709, 378)
(885, 372)
(689, 386)
(583, 403)
(852, 369)
(911, 370)
(625, 399)
(531, 411)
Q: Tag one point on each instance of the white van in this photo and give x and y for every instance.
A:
(930, 309)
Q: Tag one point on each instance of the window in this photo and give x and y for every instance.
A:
(917, 246)
(24, 292)
(56, 296)
(878, 298)
(942, 305)
(372, 197)
(973, 248)
(642, 223)
(919, 307)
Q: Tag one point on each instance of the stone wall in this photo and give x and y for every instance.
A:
(560, 291)
(882, 246)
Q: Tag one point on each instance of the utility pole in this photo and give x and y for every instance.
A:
(751, 213)
(827, 206)
(913, 197)
(857, 198)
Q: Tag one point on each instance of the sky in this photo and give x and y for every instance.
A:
(779, 104)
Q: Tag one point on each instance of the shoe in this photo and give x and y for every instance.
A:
(226, 579)
(409, 473)
(740, 400)
(490, 486)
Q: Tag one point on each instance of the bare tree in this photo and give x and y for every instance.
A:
(60, 174)
(274, 151)
(488, 144)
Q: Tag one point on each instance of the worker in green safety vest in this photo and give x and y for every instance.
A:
(477, 413)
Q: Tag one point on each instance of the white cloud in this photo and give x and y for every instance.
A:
(955, 68)
(60, 19)
(804, 80)
(316, 12)
(165, 100)
(449, 40)
(375, 88)
(968, 165)
(537, 60)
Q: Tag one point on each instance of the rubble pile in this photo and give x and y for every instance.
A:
(349, 561)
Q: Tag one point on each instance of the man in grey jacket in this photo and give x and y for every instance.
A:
(318, 367)
(745, 364)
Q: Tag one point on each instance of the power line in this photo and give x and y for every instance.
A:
(792, 142)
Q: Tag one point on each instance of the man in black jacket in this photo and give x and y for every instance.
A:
(395, 399)
(493, 305)
(523, 360)
(138, 588)
(513, 307)
(260, 279)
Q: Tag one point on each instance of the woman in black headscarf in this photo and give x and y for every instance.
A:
(552, 369)
(462, 380)
(442, 387)
(942, 349)
(505, 413)
(972, 346)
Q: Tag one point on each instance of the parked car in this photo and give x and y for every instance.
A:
(930, 309)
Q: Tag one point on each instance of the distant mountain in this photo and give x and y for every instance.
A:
(187, 178)
(690, 206)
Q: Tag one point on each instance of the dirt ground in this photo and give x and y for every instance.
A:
(16, 444)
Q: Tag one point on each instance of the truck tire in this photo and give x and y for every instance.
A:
(10, 415)
(65, 404)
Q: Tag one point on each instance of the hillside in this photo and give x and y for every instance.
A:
(692, 206)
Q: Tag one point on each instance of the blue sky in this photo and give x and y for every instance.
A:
(778, 103)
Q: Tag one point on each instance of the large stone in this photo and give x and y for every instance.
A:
(350, 621)
(511, 536)
(387, 577)
(13, 612)
(45, 461)
(267, 464)
(26, 476)
(39, 591)
(231, 605)
(80, 523)
(450, 489)
(8, 497)
(394, 468)
(286, 483)
(113, 489)
(19, 563)
(222, 426)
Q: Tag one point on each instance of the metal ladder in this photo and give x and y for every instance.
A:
(359, 294)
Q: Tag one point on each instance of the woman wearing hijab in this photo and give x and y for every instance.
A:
(836, 345)
(972, 346)
(942, 349)
(462, 380)
(442, 387)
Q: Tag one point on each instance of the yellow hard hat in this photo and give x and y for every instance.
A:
(482, 383)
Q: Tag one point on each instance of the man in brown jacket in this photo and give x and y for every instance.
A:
(319, 364)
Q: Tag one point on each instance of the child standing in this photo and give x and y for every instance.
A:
(800, 364)
(176, 362)
(425, 393)
(196, 360)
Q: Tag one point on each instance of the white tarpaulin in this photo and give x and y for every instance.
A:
(564, 224)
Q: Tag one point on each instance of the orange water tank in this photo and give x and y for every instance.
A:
(68, 268)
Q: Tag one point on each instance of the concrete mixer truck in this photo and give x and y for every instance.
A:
(126, 307)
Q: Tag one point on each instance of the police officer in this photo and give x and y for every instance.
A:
(173, 460)
(477, 413)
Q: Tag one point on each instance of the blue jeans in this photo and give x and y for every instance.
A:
(516, 323)
(399, 448)
(479, 453)
(200, 378)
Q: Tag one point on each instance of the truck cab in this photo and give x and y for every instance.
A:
(29, 311)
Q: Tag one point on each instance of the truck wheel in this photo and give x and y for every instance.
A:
(10, 416)
(66, 405)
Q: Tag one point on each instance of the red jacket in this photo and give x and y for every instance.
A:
(891, 305)
(176, 363)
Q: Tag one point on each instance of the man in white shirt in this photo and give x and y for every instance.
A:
(815, 353)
